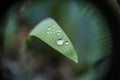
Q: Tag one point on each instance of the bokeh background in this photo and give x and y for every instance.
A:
(111, 13)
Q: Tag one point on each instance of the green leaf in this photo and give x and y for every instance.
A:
(51, 33)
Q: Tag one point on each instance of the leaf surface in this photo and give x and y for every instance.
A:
(51, 33)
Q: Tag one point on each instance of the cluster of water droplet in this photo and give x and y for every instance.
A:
(61, 38)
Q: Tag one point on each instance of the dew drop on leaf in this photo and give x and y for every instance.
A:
(48, 32)
(54, 25)
(67, 43)
(59, 34)
(49, 28)
(60, 42)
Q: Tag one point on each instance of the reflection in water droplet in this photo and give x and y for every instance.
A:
(60, 42)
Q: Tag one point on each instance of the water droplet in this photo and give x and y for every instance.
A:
(60, 37)
(49, 28)
(66, 42)
(59, 30)
(51, 32)
(64, 37)
(60, 42)
(68, 45)
(48, 32)
(59, 34)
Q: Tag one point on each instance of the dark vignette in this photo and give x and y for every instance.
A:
(112, 19)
